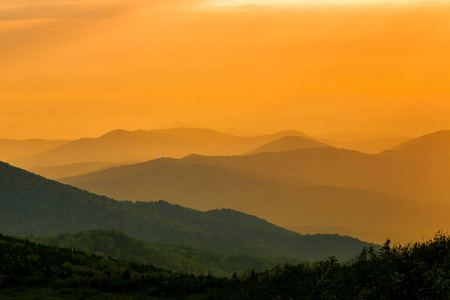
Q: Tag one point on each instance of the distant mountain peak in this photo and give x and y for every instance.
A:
(122, 146)
(288, 143)
(115, 132)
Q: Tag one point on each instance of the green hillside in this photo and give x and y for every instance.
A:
(32, 271)
(33, 205)
(178, 258)
(415, 271)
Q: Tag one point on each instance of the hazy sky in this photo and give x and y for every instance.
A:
(305, 2)
(81, 68)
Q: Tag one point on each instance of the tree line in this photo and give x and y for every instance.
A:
(413, 271)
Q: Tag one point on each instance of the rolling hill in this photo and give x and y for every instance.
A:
(30, 270)
(122, 146)
(287, 143)
(320, 208)
(429, 148)
(33, 205)
(308, 166)
(426, 181)
(173, 257)
(33, 271)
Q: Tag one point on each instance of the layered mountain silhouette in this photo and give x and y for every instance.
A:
(122, 146)
(33, 205)
(287, 143)
(426, 181)
(11, 149)
(304, 188)
(294, 189)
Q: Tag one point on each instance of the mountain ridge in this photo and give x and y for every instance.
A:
(140, 145)
(429, 147)
(287, 143)
(273, 190)
(33, 205)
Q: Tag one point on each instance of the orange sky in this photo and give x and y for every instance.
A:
(81, 68)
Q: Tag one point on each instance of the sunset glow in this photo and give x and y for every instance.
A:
(304, 2)
(224, 149)
(81, 68)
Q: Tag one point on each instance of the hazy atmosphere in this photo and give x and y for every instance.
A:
(71, 69)
(224, 149)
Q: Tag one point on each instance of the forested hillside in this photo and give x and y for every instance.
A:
(174, 257)
(32, 271)
(33, 205)
(415, 271)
